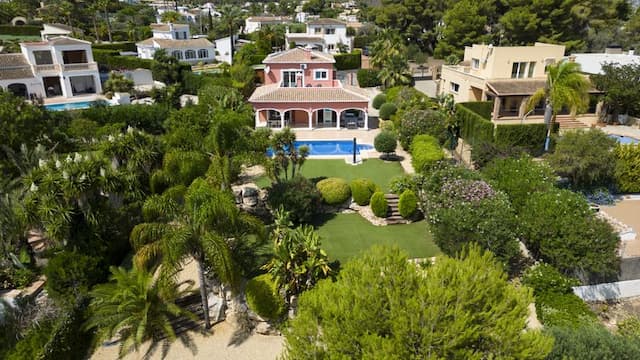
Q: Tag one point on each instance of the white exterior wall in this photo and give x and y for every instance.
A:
(34, 85)
(223, 48)
(251, 26)
(340, 36)
(147, 53)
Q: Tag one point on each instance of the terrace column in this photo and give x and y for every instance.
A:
(366, 119)
(310, 113)
(496, 108)
(338, 113)
(257, 118)
(522, 110)
(281, 119)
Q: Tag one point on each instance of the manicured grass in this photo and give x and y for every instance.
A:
(20, 37)
(347, 235)
(381, 172)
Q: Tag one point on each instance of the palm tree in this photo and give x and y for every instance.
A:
(395, 71)
(137, 307)
(204, 227)
(104, 6)
(231, 17)
(566, 87)
(389, 45)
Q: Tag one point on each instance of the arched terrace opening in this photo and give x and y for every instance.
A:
(270, 118)
(297, 118)
(18, 89)
(354, 119)
(325, 118)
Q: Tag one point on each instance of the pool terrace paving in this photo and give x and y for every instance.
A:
(623, 130)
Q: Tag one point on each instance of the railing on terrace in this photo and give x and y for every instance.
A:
(85, 66)
(47, 68)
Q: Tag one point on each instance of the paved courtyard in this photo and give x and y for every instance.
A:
(626, 211)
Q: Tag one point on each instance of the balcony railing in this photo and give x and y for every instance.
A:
(47, 68)
(75, 67)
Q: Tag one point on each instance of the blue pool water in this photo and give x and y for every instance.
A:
(625, 139)
(70, 106)
(330, 147)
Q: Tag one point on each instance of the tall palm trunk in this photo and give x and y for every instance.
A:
(95, 27)
(203, 292)
(548, 120)
(106, 13)
(231, 40)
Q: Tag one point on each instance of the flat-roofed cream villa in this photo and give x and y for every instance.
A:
(301, 91)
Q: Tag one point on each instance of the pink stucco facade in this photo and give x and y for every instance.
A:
(309, 75)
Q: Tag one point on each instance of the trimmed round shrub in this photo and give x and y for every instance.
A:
(379, 204)
(361, 190)
(387, 109)
(425, 151)
(408, 204)
(334, 191)
(378, 101)
(385, 142)
(263, 297)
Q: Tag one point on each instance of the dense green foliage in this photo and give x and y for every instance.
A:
(621, 88)
(379, 204)
(143, 117)
(530, 137)
(385, 142)
(349, 61)
(111, 60)
(425, 151)
(381, 306)
(627, 170)
(33, 30)
(474, 127)
(368, 78)
(558, 227)
(408, 204)
(421, 121)
(70, 275)
(122, 46)
(586, 158)
(263, 297)
(387, 110)
(334, 191)
(361, 190)
(117, 83)
(378, 100)
(298, 196)
(594, 342)
(519, 178)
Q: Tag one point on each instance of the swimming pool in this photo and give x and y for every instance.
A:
(70, 106)
(329, 147)
(626, 140)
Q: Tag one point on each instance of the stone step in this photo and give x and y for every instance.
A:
(391, 196)
(395, 217)
(396, 222)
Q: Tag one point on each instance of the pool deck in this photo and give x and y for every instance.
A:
(80, 98)
(630, 131)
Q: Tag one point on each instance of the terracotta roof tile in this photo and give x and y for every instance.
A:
(326, 21)
(165, 27)
(14, 66)
(274, 93)
(269, 19)
(299, 55)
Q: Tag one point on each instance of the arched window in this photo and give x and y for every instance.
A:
(190, 54)
(177, 54)
(18, 89)
(203, 53)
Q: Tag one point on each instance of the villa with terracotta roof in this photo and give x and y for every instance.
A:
(176, 40)
(301, 91)
(324, 35)
(56, 67)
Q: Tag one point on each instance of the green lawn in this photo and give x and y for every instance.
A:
(20, 37)
(381, 172)
(347, 235)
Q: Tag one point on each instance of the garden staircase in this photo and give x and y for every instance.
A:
(566, 122)
(393, 214)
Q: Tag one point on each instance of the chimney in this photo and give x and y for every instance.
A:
(171, 26)
(613, 49)
(307, 52)
(632, 51)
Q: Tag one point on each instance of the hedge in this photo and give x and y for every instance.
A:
(334, 191)
(123, 46)
(482, 108)
(27, 30)
(349, 61)
(473, 127)
(408, 204)
(113, 61)
(425, 150)
(379, 100)
(387, 110)
(361, 190)
(528, 136)
(379, 204)
(627, 173)
(263, 297)
(368, 78)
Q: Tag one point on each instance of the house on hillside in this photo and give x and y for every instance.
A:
(506, 75)
(325, 35)
(255, 23)
(55, 30)
(591, 63)
(176, 40)
(301, 91)
(57, 67)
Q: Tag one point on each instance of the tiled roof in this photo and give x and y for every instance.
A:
(305, 37)
(65, 27)
(268, 19)
(177, 44)
(58, 40)
(326, 21)
(274, 93)
(165, 27)
(14, 66)
(299, 55)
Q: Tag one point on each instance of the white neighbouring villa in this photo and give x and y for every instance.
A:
(324, 35)
(255, 23)
(176, 40)
(57, 67)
